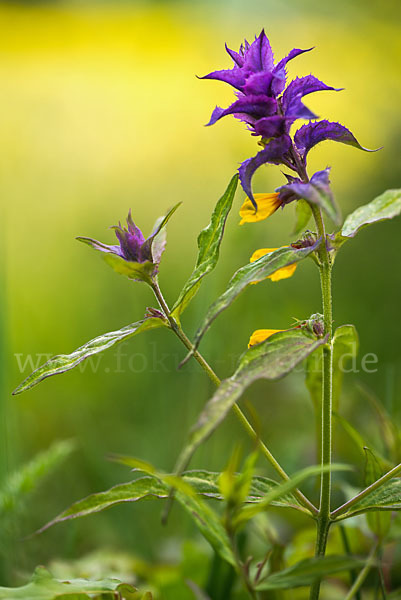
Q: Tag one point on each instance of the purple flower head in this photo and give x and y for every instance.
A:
(132, 244)
(135, 256)
(269, 107)
(259, 84)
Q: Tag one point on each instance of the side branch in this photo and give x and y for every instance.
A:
(304, 501)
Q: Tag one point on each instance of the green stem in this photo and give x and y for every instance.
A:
(362, 575)
(323, 519)
(240, 415)
(347, 548)
(242, 571)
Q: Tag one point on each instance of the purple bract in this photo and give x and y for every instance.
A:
(132, 244)
(269, 107)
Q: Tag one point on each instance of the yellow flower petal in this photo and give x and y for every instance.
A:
(260, 335)
(267, 205)
(262, 252)
(283, 273)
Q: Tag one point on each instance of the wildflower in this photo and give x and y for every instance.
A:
(132, 245)
(283, 273)
(260, 335)
(134, 256)
(269, 107)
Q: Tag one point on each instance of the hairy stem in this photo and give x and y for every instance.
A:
(323, 519)
(240, 415)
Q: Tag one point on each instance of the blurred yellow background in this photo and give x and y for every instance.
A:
(100, 112)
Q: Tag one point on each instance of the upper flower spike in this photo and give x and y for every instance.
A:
(269, 107)
(259, 82)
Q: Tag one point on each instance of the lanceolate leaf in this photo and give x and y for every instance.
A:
(209, 241)
(251, 273)
(43, 586)
(387, 497)
(271, 359)
(158, 486)
(386, 206)
(64, 362)
(284, 489)
(204, 483)
(307, 571)
(207, 484)
(204, 517)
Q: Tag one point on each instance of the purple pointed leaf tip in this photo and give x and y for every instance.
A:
(311, 134)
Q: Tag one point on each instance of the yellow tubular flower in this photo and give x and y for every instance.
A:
(260, 335)
(283, 273)
(267, 205)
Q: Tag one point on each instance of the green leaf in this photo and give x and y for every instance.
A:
(386, 206)
(209, 241)
(207, 484)
(345, 348)
(192, 484)
(43, 586)
(19, 484)
(387, 497)
(204, 517)
(64, 362)
(271, 359)
(133, 270)
(235, 486)
(251, 273)
(139, 489)
(373, 469)
(303, 213)
(305, 572)
(285, 488)
(378, 523)
(155, 485)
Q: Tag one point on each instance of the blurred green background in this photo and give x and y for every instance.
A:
(100, 111)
